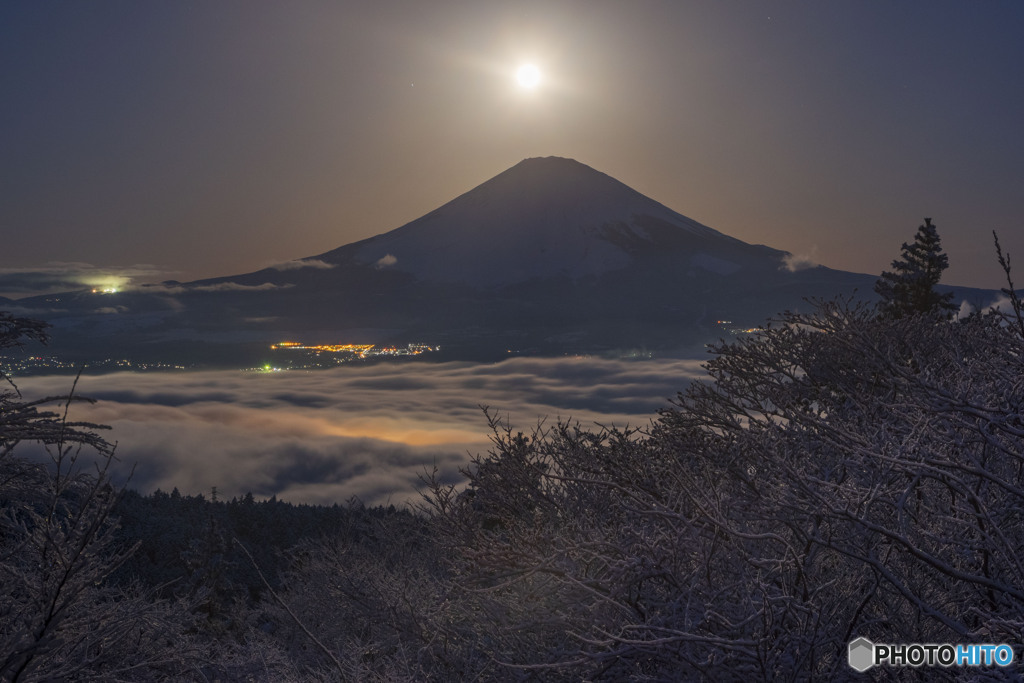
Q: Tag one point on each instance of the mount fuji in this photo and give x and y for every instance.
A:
(549, 256)
(543, 218)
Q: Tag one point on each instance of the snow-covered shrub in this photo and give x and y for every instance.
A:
(841, 475)
(58, 620)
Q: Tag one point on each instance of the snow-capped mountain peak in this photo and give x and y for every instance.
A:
(544, 217)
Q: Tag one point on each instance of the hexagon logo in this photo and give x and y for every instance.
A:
(861, 655)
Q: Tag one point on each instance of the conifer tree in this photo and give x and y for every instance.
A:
(910, 288)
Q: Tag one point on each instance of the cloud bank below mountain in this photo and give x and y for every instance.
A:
(359, 431)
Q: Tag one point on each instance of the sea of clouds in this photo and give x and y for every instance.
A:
(369, 432)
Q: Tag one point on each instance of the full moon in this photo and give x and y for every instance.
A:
(528, 76)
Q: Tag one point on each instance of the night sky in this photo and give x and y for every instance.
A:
(188, 139)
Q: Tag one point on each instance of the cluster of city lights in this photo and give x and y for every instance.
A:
(359, 350)
(300, 356)
(39, 365)
(737, 330)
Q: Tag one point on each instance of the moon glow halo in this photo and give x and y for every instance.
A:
(528, 76)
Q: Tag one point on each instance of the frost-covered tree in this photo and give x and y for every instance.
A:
(22, 420)
(843, 474)
(373, 601)
(58, 620)
(910, 287)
